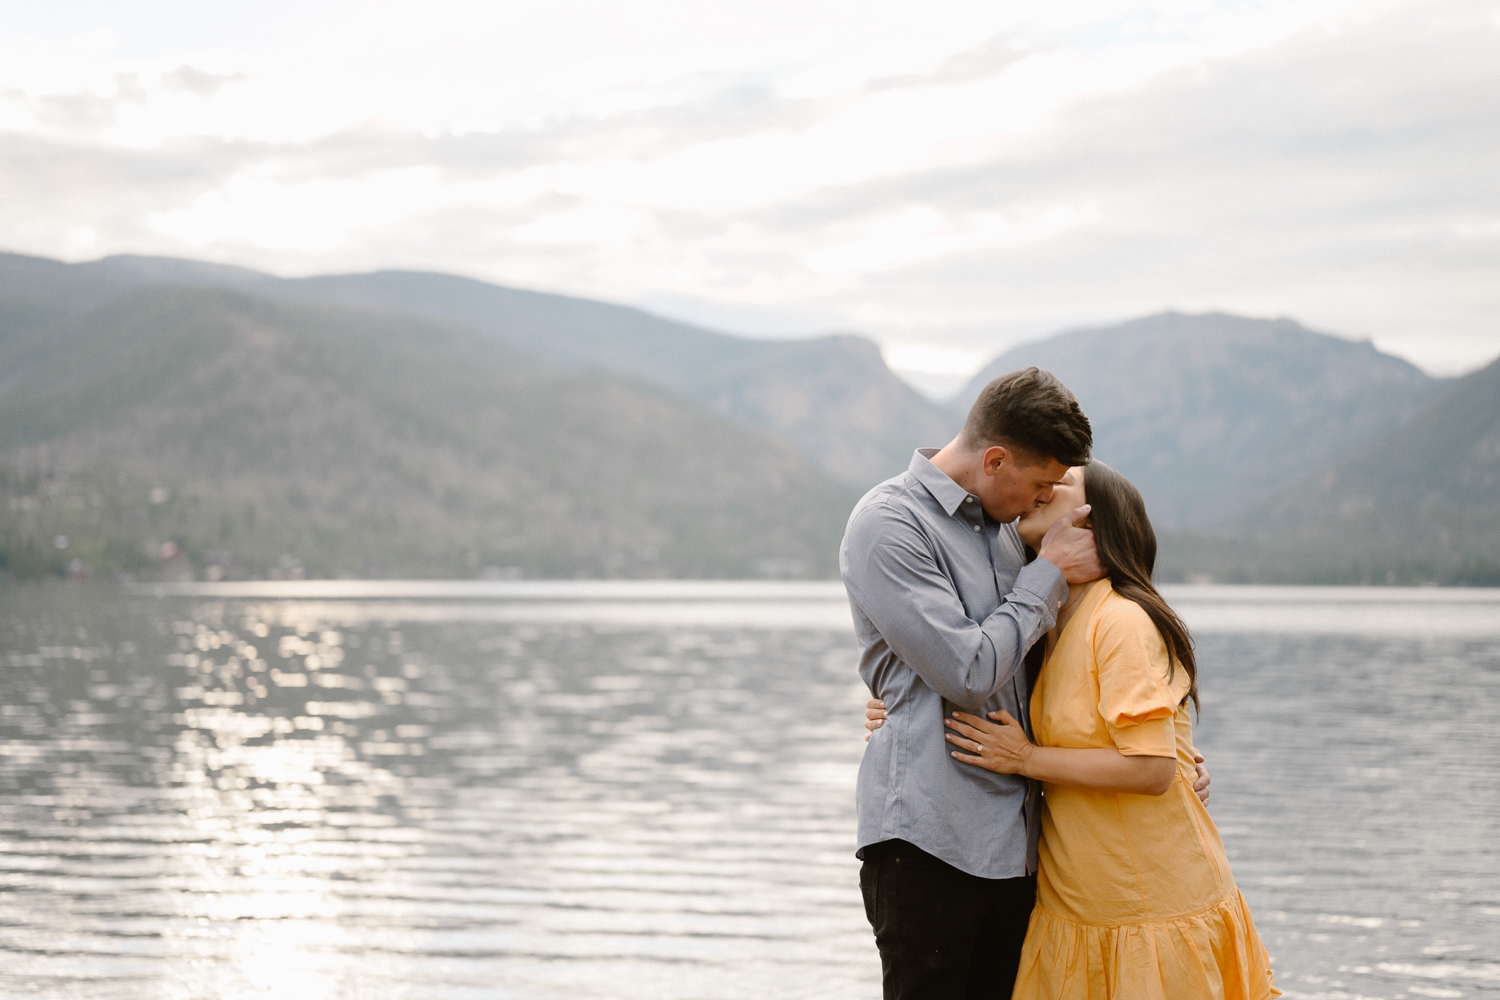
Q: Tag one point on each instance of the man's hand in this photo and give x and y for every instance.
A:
(1071, 548)
(874, 716)
(1201, 785)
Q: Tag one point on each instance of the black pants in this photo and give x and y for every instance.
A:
(943, 934)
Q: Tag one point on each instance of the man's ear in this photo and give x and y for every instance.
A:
(995, 458)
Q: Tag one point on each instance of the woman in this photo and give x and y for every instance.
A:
(1135, 899)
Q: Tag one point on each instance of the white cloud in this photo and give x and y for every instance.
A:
(589, 226)
(949, 174)
(917, 234)
(312, 216)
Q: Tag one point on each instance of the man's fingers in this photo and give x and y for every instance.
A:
(1078, 515)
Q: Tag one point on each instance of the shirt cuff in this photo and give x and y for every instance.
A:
(1046, 581)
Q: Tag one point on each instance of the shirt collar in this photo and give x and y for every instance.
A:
(949, 495)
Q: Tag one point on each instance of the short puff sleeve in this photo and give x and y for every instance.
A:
(1135, 699)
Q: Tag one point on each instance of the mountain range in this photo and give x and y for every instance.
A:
(412, 423)
(141, 424)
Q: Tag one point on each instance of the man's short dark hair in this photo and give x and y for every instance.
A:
(1032, 412)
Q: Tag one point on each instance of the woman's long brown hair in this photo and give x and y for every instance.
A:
(1127, 547)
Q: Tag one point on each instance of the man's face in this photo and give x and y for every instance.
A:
(1013, 484)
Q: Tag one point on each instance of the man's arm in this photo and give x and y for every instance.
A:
(890, 572)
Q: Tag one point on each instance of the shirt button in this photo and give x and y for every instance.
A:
(976, 527)
(968, 499)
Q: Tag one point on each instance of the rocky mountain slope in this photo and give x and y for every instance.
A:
(1419, 503)
(832, 397)
(1446, 458)
(1209, 413)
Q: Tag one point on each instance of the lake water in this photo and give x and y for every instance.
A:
(616, 790)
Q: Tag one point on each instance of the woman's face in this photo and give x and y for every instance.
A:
(1067, 496)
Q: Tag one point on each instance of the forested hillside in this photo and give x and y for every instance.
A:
(167, 429)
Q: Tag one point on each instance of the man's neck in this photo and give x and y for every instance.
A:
(956, 460)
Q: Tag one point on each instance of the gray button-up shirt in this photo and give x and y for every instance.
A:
(945, 608)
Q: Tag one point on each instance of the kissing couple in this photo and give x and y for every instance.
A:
(1032, 818)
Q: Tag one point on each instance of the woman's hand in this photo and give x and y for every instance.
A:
(874, 716)
(1002, 747)
(999, 746)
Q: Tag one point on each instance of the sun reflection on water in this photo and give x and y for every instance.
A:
(243, 799)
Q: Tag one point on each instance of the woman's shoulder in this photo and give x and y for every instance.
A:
(1120, 622)
(1116, 612)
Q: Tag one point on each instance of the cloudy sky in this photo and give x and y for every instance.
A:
(948, 177)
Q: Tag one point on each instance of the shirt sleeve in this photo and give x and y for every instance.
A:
(1135, 700)
(891, 572)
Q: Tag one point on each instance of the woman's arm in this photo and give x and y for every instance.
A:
(1003, 748)
(875, 718)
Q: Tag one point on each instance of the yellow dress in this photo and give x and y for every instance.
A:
(1135, 900)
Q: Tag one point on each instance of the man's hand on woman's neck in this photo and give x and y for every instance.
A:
(1071, 549)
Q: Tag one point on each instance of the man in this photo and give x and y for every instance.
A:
(945, 608)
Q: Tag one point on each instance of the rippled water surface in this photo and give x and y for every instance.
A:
(513, 790)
